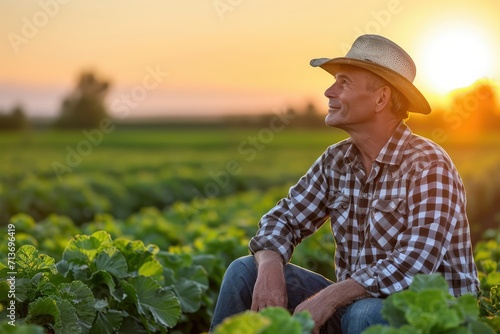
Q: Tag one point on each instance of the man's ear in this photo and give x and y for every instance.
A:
(383, 98)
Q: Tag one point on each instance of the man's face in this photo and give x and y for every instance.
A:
(351, 104)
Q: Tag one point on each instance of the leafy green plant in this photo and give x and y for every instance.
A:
(427, 307)
(125, 272)
(489, 307)
(122, 276)
(41, 299)
(103, 285)
(268, 321)
(24, 329)
(487, 256)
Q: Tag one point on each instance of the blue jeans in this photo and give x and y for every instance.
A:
(237, 289)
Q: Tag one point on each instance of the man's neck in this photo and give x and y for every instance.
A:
(371, 141)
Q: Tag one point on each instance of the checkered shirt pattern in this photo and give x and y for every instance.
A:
(406, 217)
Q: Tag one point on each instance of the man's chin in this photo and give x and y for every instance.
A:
(330, 121)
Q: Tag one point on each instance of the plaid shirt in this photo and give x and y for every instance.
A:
(406, 217)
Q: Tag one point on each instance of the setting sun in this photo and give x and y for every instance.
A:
(455, 57)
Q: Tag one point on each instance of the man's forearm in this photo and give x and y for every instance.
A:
(270, 285)
(325, 303)
(266, 257)
(344, 292)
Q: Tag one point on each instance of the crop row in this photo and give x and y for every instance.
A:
(178, 254)
(129, 171)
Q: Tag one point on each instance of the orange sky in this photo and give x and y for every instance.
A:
(220, 56)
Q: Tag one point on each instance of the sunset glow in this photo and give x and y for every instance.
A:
(455, 57)
(231, 56)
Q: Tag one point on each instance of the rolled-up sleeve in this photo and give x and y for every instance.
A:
(297, 216)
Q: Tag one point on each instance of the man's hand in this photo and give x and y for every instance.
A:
(320, 306)
(270, 286)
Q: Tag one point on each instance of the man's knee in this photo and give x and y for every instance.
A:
(362, 314)
(242, 266)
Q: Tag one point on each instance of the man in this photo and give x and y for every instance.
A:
(395, 201)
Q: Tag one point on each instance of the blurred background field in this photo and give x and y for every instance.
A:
(50, 172)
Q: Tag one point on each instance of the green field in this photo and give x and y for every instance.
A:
(191, 199)
(81, 174)
(129, 170)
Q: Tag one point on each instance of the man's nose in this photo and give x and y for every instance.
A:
(331, 91)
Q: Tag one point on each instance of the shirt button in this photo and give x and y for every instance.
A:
(365, 195)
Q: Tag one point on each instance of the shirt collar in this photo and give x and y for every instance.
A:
(391, 153)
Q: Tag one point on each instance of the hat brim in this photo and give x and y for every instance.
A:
(417, 102)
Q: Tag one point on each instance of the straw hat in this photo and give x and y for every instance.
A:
(386, 59)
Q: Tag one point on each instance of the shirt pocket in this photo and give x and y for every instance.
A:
(339, 214)
(387, 222)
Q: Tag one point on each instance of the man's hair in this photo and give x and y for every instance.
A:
(399, 102)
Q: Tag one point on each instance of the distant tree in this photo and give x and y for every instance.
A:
(19, 120)
(291, 111)
(84, 107)
(310, 117)
(473, 108)
(313, 116)
(15, 120)
(476, 106)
